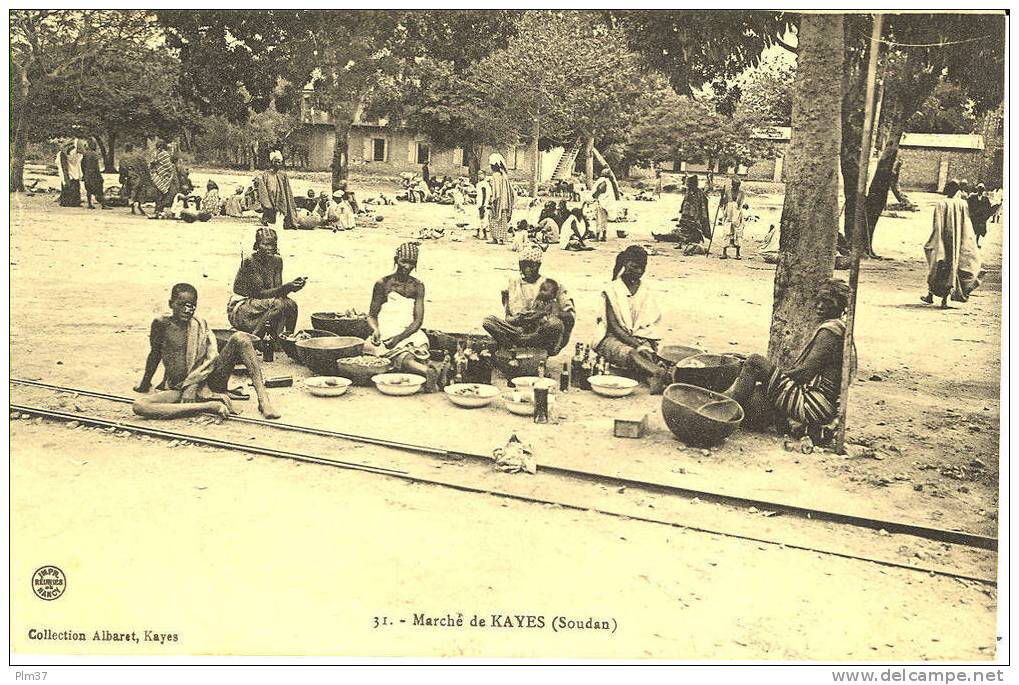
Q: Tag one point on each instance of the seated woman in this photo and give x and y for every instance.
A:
(396, 313)
(260, 304)
(629, 331)
(211, 204)
(234, 205)
(805, 396)
(573, 231)
(520, 295)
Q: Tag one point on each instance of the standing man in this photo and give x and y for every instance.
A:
(953, 261)
(694, 224)
(164, 178)
(92, 176)
(980, 210)
(604, 193)
(274, 194)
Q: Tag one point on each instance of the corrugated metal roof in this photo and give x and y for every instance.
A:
(958, 141)
(961, 141)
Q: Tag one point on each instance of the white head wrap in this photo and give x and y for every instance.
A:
(495, 159)
(276, 156)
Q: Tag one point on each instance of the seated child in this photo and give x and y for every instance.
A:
(196, 373)
(546, 304)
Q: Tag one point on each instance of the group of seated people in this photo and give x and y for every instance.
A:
(537, 313)
(552, 223)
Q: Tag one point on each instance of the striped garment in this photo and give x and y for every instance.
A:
(813, 403)
(162, 171)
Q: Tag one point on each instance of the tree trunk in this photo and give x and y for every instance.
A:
(877, 196)
(809, 213)
(109, 163)
(474, 161)
(18, 137)
(535, 158)
(102, 147)
(340, 163)
(252, 154)
(589, 160)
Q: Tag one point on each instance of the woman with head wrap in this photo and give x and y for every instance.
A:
(628, 333)
(163, 175)
(805, 396)
(275, 198)
(69, 170)
(396, 314)
(500, 203)
(519, 297)
(211, 202)
(261, 303)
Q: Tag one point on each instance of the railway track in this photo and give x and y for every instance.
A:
(954, 537)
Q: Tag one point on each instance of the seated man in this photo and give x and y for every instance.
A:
(197, 374)
(552, 332)
(261, 301)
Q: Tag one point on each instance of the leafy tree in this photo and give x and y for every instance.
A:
(946, 110)
(920, 52)
(680, 127)
(767, 92)
(47, 45)
(134, 96)
(571, 77)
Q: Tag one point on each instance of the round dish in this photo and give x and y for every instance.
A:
(398, 384)
(471, 395)
(519, 403)
(699, 417)
(327, 386)
(612, 386)
(529, 383)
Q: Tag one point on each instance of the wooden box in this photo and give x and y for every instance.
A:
(634, 426)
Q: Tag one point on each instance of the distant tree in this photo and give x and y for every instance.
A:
(47, 45)
(430, 91)
(766, 93)
(946, 110)
(920, 53)
(130, 94)
(571, 75)
(680, 127)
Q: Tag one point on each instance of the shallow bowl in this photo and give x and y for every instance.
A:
(612, 386)
(327, 386)
(471, 395)
(398, 384)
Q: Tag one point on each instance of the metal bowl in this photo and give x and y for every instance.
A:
(361, 374)
(320, 354)
(710, 371)
(699, 417)
(612, 386)
(354, 327)
(471, 395)
(520, 403)
(398, 384)
(290, 345)
(672, 354)
(327, 386)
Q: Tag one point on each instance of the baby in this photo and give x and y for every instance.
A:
(546, 304)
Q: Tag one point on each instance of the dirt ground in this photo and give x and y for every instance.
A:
(84, 286)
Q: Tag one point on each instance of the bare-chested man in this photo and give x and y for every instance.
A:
(197, 374)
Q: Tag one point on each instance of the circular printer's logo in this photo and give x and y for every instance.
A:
(48, 582)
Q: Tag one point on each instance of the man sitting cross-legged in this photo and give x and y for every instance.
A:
(197, 374)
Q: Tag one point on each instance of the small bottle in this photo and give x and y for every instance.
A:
(541, 369)
(267, 352)
(585, 372)
(444, 371)
(564, 378)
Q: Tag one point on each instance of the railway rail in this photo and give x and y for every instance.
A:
(941, 535)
